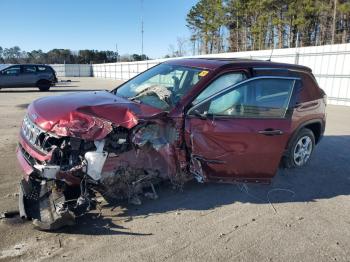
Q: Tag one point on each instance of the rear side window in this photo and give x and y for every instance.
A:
(258, 98)
(219, 84)
(28, 69)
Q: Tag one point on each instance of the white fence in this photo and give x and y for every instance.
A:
(123, 71)
(330, 64)
(71, 70)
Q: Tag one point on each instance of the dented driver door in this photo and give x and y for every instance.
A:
(241, 132)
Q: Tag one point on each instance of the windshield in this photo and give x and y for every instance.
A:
(161, 86)
(3, 66)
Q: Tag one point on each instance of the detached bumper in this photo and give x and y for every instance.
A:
(21, 207)
(27, 169)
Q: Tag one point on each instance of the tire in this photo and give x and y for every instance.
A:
(43, 85)
(300, 149)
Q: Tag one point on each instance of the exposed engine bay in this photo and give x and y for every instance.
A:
(124, 165)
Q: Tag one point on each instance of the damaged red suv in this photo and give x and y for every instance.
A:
(220, 120)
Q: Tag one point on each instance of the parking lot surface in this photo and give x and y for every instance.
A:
(303, 215)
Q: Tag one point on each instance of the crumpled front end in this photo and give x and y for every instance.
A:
(82, 155)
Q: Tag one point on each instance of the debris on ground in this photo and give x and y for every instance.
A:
(9, 214)
(15, 251)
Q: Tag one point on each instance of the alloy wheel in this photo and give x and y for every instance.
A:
(302, 150)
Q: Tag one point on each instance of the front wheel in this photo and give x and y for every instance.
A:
(300, 149)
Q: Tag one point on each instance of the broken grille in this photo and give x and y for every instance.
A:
(31, 131)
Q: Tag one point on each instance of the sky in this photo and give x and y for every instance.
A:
(94, 24)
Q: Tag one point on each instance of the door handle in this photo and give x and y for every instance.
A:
(271, 132)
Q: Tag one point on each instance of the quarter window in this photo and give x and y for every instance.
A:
(42, 69)
(259, 98)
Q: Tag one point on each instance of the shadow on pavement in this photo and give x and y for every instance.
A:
(91, 224)
(68, 81)
(63, 89)
(326, 176)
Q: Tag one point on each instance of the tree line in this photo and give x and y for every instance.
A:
(241, 25)
(14, 55)
(228, 26)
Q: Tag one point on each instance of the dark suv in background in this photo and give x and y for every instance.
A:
(29, 75)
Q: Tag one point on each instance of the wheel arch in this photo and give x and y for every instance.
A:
(315, 125)
(316, 128)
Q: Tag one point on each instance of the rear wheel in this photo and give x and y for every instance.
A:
(300, 149)
(43, 85)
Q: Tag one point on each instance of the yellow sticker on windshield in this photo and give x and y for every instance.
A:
(203, 73)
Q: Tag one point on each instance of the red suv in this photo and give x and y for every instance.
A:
(218, 120)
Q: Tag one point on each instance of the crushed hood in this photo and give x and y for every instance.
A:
(88, 115)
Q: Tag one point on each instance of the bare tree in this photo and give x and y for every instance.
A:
(181, 46)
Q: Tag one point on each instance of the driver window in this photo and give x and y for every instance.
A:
(260, 98)
(221, 83)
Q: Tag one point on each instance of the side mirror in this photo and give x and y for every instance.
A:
(200, 115)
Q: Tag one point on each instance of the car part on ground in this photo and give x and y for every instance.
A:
(9, 214)
(176, 122)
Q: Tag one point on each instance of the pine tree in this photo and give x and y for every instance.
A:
(261, 24)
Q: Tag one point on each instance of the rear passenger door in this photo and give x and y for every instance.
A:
(241, 132)
(29, 75)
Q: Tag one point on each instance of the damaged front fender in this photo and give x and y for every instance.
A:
(90, 154)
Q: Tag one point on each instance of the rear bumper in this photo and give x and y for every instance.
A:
(323, 128)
